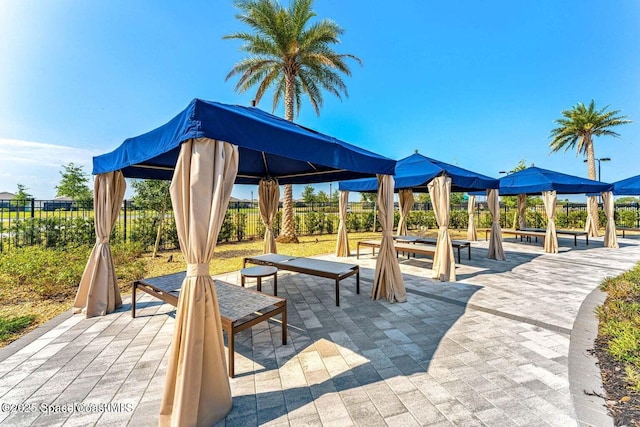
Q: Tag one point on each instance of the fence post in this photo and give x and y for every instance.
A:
(124, 240)
(33, 207)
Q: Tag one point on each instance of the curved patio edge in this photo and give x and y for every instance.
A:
(585, 382)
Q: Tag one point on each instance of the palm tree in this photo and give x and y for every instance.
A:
(294, 58)
(577, 128)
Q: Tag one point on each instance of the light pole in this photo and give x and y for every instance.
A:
(602, 159)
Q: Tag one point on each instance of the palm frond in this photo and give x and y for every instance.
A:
(284, 41)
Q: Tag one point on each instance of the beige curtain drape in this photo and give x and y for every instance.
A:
(196, 388)
(550, 238)
(522, 211)
(610, 239)
(342, 245)
(590, 226)
(495, 243)
(405, 203)
(472, 235)
(444, 264)
(98, 292)
(268, 198)
(388, 281)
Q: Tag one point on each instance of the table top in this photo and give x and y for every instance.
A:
(234, 302)
(258, 271)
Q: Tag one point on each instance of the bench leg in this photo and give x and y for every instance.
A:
(275, 284)
(358, 281)
(337, 293)
(358, 251)
(284, 324)
(241, 280)
(259, 284)
(469, 251)
(232, 368)
(458, 255)
(588, 237)
(133, 300)
(575, 240)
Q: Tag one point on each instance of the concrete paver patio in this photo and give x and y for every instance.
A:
(490, 349)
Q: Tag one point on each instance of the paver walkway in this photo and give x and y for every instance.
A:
(491, 349)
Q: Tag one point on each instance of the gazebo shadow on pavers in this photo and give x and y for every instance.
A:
(491, 348)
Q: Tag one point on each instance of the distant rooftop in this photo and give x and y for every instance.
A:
(5, 195)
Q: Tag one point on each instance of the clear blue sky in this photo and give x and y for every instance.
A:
(477, 84)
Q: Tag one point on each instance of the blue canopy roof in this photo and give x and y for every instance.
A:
(268, 147)
(627, 187)
(416, 171)
(535, 180)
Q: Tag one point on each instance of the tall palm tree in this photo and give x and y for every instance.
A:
(294, 58)
(579, 126)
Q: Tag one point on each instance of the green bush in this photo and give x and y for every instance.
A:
(331, 223)
(240, 221)
(228, 228)
(626, 218)
(144, 229)
(353, 222)
(312, 222)
(485, 220)
(49, 273)
(619, 320)
(577, 219)
(421, 219)
(128, 261)
(458, 219)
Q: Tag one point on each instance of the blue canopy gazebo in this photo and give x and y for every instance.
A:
(627, 187)
(420, 174)
(204, 150)
(535, 180)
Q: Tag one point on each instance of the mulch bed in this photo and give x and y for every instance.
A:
(624, 404)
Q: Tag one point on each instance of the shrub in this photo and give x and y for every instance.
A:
(353, 222)
(50, 273)
(128, 261)
(331, 223)
(240, 221)
(626, 218)
(619, 320)
(311, 222)
(145, 229)
(228, 228)
(458, 219)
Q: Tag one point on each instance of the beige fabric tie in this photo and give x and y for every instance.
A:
(387, 233)
(103, 240)
(198, 269)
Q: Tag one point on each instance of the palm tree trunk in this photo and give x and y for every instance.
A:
(591, 164)
(288, 230)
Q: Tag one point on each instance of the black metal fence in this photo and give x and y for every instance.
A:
(54, 223)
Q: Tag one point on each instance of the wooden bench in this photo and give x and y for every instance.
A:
(633, 229)
(574, 233)
(519, 233)
(457, 244)
(240, 308)
(314, 267)
(400, 247)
